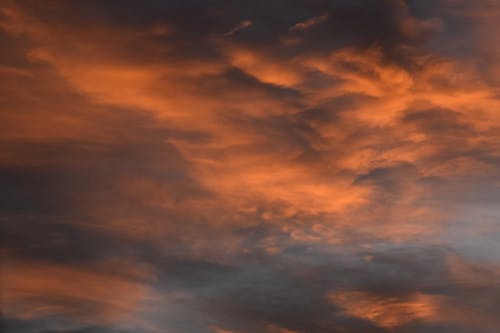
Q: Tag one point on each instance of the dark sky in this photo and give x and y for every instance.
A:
(250, 166)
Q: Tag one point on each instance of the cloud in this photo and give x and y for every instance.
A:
(242, 25)
(339, 172)
(309, 23)
(386, 311)
(36, 290)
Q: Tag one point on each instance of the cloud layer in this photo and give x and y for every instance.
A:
(241, 167)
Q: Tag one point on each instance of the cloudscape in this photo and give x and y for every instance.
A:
(301, 166)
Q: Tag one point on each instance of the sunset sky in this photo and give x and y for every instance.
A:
(188, 166)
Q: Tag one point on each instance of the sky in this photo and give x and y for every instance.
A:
(217, 166)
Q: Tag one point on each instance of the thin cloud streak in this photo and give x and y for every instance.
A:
(309, 23)
(242, 25)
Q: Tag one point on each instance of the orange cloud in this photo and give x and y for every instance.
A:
(180, 141)
(109, 295)
(387, 312)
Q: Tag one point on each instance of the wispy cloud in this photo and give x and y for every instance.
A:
(240, 26)
(309, 23)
